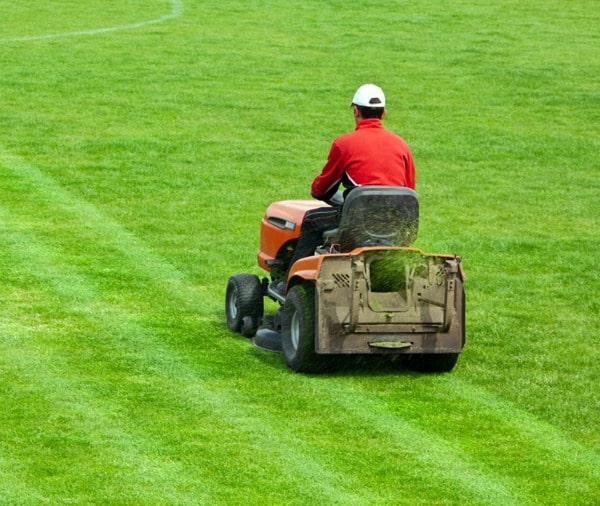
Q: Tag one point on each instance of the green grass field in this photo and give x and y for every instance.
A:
(140, 143)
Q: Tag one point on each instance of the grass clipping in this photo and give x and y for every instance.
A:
(396, 270)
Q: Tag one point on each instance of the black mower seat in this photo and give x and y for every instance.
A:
(376, 216)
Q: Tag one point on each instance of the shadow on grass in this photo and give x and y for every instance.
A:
(345, 365)
(336, 365)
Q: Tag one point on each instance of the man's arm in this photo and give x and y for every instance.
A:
(410, 171)
(327, 183)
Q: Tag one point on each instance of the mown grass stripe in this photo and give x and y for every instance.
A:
(59, 379)
(418, 444)
(141, 257)
(83, 427)
(115, 434)
(79, 293)
(154, 124)
(15, 489)
(559, 445)
(445, 463)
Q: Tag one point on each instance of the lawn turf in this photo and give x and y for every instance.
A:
(141, 143)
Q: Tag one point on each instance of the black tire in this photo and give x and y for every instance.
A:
(298, 330)
(244, 303)
(433, 362)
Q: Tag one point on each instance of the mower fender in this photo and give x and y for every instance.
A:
(305, 269)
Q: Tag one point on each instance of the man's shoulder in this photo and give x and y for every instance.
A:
(356, 135)
(344, 140)
(345, 136)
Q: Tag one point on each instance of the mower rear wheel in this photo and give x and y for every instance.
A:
(433, 362)
(244, 303)
(298, 329)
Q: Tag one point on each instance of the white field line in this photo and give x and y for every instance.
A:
(176, 11)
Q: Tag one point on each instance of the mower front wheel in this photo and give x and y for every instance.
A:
(298, 329)
(244, 303)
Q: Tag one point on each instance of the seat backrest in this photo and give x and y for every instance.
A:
(377, 215)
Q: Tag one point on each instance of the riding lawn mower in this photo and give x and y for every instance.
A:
(365, 291)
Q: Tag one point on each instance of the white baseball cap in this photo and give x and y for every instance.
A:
(369, 95)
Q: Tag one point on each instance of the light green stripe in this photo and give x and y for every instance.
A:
(113, 234)
(82, 295)
(540, 434)
(433, 451)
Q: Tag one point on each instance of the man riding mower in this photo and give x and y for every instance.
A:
(347, 281)
(364, 291)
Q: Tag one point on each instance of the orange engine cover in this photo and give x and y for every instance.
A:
(281, 224)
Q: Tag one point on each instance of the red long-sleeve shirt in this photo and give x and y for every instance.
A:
(370, 155)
